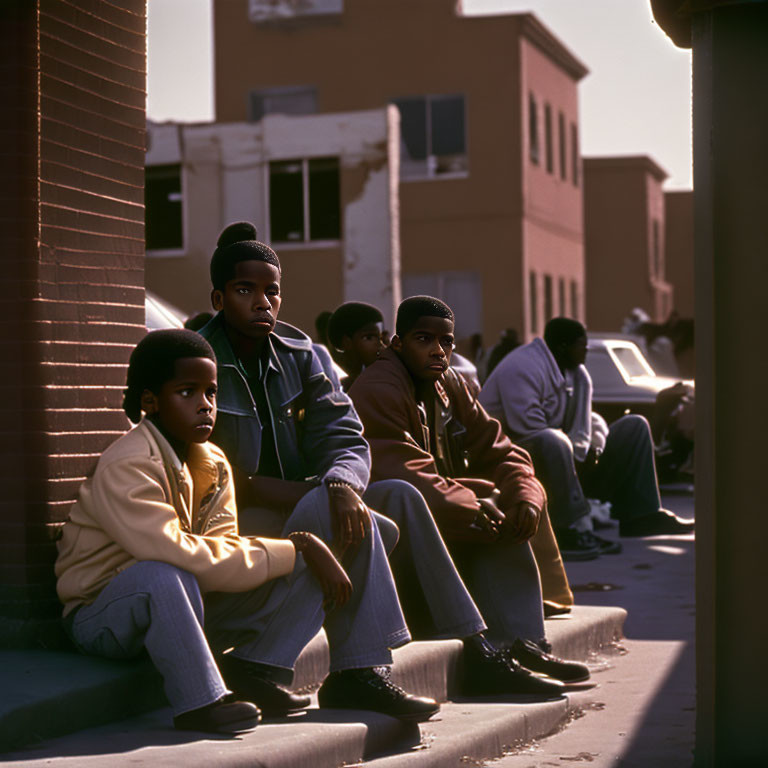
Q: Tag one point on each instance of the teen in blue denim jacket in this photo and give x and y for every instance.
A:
(295, 442)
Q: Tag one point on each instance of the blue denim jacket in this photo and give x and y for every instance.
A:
(317, 431)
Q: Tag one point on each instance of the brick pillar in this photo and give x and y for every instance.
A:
(72, 85)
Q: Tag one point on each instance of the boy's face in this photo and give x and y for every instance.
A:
(426, 349)
(185, 406)
(365, 344)
(251, 300)
(575, 353)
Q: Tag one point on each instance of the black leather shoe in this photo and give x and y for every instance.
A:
(493, 673)
(366, 689)
(248, 681)
(534, 658)
(656, 524)
(577, 545)
(223, 716)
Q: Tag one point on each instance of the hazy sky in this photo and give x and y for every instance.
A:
(635, 100)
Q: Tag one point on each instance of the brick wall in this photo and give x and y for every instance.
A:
(72, 249)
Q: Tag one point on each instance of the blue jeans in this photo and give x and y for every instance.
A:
(159, 607)
(625, 474)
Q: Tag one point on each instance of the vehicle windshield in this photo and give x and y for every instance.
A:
(632, 363)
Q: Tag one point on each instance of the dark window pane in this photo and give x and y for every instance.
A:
(548, 138)
(413, 127)
(548, 308)
(324, 199)
(574, 155)
(533, 298)
(447, 114)
(533, 129)
(561, 142)
(561, 290)
(286, 201)
(162, 207)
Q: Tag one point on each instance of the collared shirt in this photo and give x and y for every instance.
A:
(255, 374)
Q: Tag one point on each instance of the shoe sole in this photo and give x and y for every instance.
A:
(280, 712)
(239, 727)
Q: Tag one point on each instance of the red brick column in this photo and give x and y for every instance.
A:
(72, 85)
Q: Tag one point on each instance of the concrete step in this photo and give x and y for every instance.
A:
(464, 732)
(49, 694)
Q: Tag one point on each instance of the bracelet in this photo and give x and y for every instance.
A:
(339, 484)
(299, 539)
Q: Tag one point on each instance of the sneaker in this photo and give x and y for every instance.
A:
(577, 545)
(248, 681)
(656, 524)
(223, 716)
(606, 546)
(366, 689)
(533, 657)
(490, 672)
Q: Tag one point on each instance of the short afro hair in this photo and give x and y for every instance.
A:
(153, 362)
(562, 331)
(410, 310)
(350, 318)
(238, 242)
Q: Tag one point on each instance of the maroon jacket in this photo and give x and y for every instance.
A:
(385, 399)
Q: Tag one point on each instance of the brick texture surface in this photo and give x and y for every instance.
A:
(72, 84)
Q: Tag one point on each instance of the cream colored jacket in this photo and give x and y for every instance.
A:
(143, 504)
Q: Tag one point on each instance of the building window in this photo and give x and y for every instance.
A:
(548, 138)
(548, 306)
(304, 200)
(561, 139)
(432, 136)
(279, 10)
(561, 295)
(574, 155)
(658, 270)
(294, 100)
(533, 129)
(574, 300)
(164, 229)
(533, 298)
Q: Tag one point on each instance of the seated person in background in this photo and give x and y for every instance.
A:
(356, 331)
(152, 545)
(425, 427)
(297, 448)
(542, 393)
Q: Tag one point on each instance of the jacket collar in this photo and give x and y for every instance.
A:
(390, 356)
(201, 468)
(283, 336)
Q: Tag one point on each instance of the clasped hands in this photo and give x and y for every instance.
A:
(520, 523)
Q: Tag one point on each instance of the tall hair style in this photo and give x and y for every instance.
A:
(410, 310)
(562, 330)
(238, 242)
(350, 318)
(153, 362)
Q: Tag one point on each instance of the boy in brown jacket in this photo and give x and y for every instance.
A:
(424, 426)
